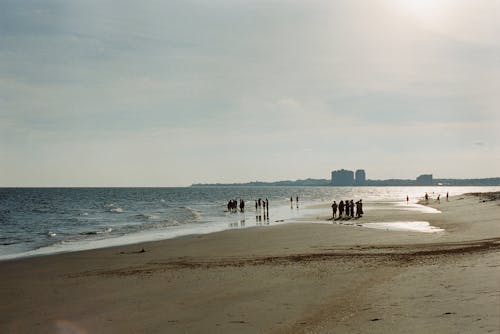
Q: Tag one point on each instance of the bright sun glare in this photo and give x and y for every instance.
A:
(425, 11)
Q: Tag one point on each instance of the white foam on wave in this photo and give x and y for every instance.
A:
(147, 216)
(116, 210)
(196, 215)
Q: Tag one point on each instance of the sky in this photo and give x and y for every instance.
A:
(170, 93)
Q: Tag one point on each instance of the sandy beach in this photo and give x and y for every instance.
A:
(313, 276)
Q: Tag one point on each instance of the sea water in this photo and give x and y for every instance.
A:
(36, 221)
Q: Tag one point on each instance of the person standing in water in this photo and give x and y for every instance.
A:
(334, 209)
(267, 206)
(291, 202)
(297, 200)
(359, 209)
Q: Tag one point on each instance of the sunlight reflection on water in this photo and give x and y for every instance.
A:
(416, 226)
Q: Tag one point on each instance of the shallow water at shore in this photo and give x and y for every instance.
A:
(417, 226)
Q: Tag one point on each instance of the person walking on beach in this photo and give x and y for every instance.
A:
(351, 205)
(407, 199)
(447, 194)
(334, 209)
(426, 196)
(347, 206)
(291, 202)
(341, 209)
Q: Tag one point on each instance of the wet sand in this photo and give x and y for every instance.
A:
(324, 277)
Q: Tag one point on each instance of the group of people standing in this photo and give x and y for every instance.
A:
(261, 203)
(232, 205)
(343, 210)
(347, 207)
(261, 206)
(438, 198)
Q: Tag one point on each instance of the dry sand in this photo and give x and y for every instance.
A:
(294, 278)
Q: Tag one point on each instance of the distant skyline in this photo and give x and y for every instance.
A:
(170, 93)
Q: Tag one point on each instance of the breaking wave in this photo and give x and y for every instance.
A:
(108, 230)
(144, 216)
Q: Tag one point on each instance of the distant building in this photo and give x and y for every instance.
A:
(360, 177)
(342, 178)
(424, 180)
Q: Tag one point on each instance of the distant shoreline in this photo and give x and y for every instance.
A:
(492, 181)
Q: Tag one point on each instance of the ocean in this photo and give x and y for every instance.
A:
(36, 221)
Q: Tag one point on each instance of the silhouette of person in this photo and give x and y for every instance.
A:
(447, 194)
(359, 209)
(334, 209)
(407, 199)
(297, 200)
(347, 206)
(341, 209)
(351, 205)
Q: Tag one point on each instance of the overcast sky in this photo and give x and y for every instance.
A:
(169, 93)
